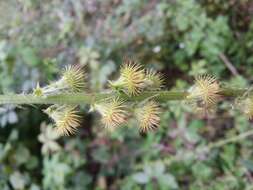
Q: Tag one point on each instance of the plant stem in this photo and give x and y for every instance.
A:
(87, 98)
(160, 96)
(230, 140)
(232, 92)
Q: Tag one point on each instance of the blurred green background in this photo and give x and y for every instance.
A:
(180, 38)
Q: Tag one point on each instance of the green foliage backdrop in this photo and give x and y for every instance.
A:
(180, 38)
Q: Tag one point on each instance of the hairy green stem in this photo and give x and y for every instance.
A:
(160, 96)
(230, 140)
(232, 92)
(87, 98)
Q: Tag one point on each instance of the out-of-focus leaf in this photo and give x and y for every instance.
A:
(248, 164)
(22, 155)
(48, 137)
(201, 171)
(17, 181)
(168, 181)
(141, 178)
(101, 154)
(30, 56)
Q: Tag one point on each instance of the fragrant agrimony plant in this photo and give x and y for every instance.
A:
(137, 93)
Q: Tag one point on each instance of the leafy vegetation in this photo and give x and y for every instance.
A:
(181, 39)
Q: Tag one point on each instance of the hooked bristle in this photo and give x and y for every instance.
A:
(132, 78)
(113, 113)
(246, 106)
(72, 80)
(74, 77)
(66, 119)
(205, 90)
(153, 79)
(148, 116)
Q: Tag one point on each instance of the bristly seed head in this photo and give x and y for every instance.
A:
(132, 77)
(66, 119)
(153, 80)
(205, 90)
(113, 112)
(74, 78)
(148, 116)
(246, 106)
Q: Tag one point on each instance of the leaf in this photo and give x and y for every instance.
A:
(22, 155)
(29, 56)
(82, 179)
(192, 131)
(228, 156)
(32, 163)
(17, 181)
(168, 180)
(101, 154)
(141, 178)
(248, 164)
(12, 117)
(13, 136)
(34, 187)
(201, 171)
(158, 169)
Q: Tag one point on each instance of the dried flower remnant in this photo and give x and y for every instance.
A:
(66, 118)
(114, 113)
(131, 80)
(148, 116)
(205, 91)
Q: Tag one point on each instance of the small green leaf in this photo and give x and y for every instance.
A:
(141, 178)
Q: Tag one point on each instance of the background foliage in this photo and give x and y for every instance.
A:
(180, 38)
